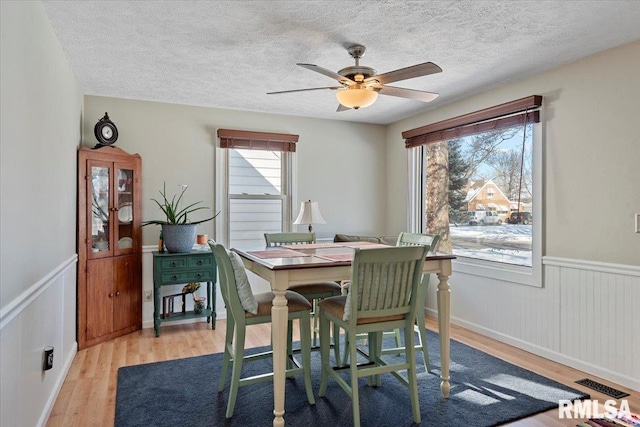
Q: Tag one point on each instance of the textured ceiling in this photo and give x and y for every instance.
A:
(228, 54)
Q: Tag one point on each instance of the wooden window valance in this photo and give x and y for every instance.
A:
(501, 116)
(230, 138)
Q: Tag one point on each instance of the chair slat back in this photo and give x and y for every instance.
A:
(384, 280)
(279, 239)
(228, 287)
(416, 239)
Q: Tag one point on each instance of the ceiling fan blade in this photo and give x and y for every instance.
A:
(328, 73)
(418, 70)
(342, 108)
(400, 92)
(304, 90)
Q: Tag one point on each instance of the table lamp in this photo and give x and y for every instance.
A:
(309, 214)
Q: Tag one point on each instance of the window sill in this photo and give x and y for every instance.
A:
(494, 270)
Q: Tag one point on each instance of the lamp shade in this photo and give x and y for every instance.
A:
(356, 98)
(309, 214)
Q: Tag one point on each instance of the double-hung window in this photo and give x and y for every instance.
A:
(476, 181)
(258, 185)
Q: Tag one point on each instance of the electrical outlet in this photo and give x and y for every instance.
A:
(638, 223)
(147, 296)
(48, 358)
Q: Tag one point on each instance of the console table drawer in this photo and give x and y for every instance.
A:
(186, 276)
(202, 261)
(174, 263)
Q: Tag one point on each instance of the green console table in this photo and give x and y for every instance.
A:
(183, 268)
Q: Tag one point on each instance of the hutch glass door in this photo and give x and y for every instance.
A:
(99, 221)
(124, 204)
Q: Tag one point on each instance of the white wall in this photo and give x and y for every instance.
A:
(586, 315)
(41, 113)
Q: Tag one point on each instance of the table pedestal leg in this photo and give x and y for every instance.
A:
(279, 315)
(444, 314)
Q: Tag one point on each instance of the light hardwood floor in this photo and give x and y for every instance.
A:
(87, 397)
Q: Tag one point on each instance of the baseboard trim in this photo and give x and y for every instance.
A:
(11, 310)
(44, 417)
(632, 383)
(220, 315)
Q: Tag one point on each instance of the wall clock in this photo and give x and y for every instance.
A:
(105, 131)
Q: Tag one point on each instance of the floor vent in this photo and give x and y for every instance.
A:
(604, 389)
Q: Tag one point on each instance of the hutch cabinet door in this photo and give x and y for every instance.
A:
(100, 297)
(128, 298)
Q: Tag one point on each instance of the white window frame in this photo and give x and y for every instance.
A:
(223, 197)
(530, 276)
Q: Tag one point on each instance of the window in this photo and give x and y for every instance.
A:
(257, 182)
(477, 185)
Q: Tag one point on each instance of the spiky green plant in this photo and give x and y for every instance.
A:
(190, 288)
(171, 209)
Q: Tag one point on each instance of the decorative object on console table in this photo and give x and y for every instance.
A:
(178, 231)
(180, 268)
(172, 308)
(309, 214)
(109, 245)
(198, 304)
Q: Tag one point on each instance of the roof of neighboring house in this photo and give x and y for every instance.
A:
(477, 186)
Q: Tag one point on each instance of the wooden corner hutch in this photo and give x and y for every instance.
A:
(109, 244)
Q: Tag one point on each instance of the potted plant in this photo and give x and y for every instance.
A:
(178, 231)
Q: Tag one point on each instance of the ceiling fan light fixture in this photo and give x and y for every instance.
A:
(356, 97)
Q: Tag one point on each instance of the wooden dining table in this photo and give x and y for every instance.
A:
(299, 264)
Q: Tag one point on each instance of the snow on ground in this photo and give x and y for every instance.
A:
(505, 232)
(507, 243)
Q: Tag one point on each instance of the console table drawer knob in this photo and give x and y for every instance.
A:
(173, 264)
(199, 275)
(200, 262)
(111, 295)
(118, 293)
(174, 277)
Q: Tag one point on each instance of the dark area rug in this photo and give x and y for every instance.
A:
(485, 391)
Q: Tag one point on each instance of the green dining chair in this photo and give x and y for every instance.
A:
(430, 241)
(410, 239)
(313, 292)
(244, 309)
(383, 295)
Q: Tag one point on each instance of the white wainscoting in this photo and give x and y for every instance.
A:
(43, 315)
(587, 316)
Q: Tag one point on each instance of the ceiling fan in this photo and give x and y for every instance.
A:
(361, 85)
